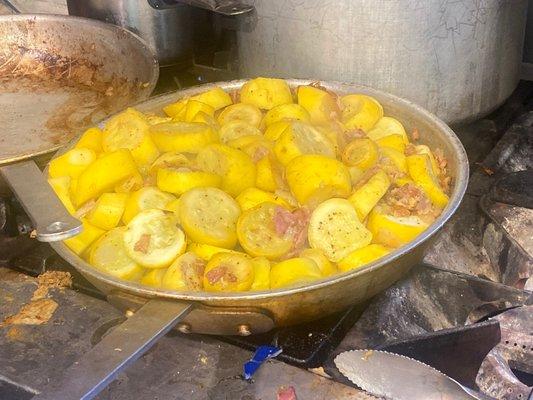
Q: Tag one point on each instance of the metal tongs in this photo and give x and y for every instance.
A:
(224, 7)
(401, 378)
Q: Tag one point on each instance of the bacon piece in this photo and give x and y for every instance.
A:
(410, 150)
(286, 393)
(445, 182)
(415, 134)
(143, 243)
(441, 159)
(293, 225)
(298, 229)
(219, 273)
(407, 200)
(282, 220)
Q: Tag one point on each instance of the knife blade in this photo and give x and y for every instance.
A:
(400, 378)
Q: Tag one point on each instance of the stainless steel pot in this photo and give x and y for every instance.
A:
(458, 59)
(169, 28)
(155, 311)
(59, 75)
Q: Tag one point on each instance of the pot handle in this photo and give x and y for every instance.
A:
(50, 218)
(224, 7)
(117, 350)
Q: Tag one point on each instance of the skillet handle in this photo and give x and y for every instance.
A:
(50, 218)
(117, 350)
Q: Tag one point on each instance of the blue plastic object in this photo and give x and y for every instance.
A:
(262, 353)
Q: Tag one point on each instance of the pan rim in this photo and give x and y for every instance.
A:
(104, 26)
(456, 197)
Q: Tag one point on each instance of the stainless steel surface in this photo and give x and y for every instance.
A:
(51, 220)
(400, 378)
(224, 7)
(297, 304)
(170, 28)
(169, 32)
(130, 340)
(60, 74)
(458, 59)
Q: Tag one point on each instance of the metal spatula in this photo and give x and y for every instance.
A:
(400, 378)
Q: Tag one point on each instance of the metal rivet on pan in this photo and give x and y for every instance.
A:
(129, 313)
(184, 327)
(56, 226)
(244, 330)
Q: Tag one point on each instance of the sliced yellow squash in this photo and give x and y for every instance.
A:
(335, 229)
(266, 93)
(360, 257)
(294, 272)
(209, 216)
(109, 255)
(153, 239)
(228, 272)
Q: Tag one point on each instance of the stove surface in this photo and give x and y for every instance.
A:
(466, 311)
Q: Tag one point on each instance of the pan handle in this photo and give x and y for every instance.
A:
(51, 220)
(118, 349)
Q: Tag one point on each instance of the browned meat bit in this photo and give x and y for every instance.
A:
(407, 200)
(282, 220)
(293, 225)
(445, 182)
(143, 244)
(298, 230)
(442, 162)
(410, 150)
(217, 274)
(415, 135)
(390, 168)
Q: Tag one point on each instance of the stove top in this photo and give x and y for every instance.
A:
(466, 311)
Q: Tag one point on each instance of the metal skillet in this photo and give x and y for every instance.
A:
(153, 312)
(58, 76)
